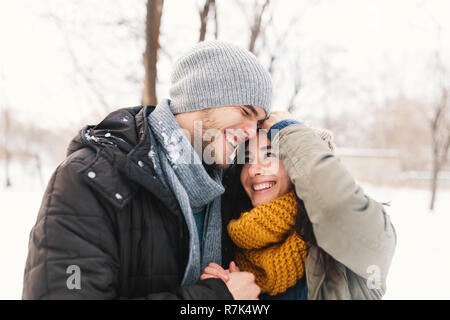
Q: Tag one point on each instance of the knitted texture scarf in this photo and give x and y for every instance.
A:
(195, 187)
(268, 245)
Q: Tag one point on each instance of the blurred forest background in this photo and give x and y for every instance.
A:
(375, 73)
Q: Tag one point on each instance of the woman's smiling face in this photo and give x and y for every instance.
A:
(263, 175)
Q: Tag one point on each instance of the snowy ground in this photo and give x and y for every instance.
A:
(422, 259)
(419, 269)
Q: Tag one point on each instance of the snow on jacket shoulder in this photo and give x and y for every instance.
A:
(106, 217)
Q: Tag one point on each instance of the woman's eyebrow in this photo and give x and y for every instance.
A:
(268, 148)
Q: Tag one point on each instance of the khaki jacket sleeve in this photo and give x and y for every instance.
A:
(353, 228)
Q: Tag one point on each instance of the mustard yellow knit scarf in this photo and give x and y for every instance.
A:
(268, 245)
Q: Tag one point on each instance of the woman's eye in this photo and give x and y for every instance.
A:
(270, 154)
(245, 111)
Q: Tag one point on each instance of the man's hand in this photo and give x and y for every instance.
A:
(213, 270)
(274, 117)
(241, 285)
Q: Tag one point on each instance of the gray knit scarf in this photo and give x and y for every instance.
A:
(195, 187)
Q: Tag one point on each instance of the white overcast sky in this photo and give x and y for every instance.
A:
(391, 38)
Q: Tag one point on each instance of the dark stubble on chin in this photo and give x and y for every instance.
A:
(208, 122)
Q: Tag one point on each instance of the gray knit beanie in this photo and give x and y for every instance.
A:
(216, 73)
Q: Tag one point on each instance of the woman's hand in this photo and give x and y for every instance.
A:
(277, 116)
(213, 270)
(274, 117)
(241, 285)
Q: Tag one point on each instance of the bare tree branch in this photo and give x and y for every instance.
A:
(204, 18)
(216, 21)
(282, 45)
(440, 132)
(255, 29)
(150, 56)
(84, 73)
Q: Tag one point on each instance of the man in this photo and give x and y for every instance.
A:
(135, 209)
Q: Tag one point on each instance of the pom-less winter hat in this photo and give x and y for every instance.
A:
(216, 73)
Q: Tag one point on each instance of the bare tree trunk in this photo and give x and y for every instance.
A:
(440, 130)
(440, 123)
(441, 160)
(435, 146)
(256, 27)
(216, 22)
(204, 18)
(434, 177)
(150, 56)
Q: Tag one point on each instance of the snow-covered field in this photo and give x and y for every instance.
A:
(419, 269)
(422, 258)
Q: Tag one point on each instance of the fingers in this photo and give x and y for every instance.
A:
(216, 266)
(216, 271)
(207, 276)
(234, 267)
(274, 117)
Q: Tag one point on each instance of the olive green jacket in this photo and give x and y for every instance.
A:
(348, 225)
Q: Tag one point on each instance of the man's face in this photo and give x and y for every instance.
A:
(225, 128)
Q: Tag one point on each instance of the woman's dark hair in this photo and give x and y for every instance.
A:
(236, 201)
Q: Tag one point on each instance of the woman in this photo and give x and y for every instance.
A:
(300, 224)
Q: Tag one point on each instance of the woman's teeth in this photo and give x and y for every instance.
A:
(263, 186)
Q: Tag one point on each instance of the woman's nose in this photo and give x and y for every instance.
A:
(255, 169)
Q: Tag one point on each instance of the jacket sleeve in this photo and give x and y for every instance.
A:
(73, 251)
(353, 228)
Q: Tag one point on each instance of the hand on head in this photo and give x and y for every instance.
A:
(277, 116)
(274, 117)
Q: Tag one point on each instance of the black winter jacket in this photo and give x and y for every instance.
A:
(105, 212)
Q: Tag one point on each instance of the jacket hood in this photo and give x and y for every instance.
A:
(123, 128)
(121, 163)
